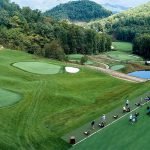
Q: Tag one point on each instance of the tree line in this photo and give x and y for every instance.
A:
(31, 31)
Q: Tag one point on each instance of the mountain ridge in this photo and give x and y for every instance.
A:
(74, 11)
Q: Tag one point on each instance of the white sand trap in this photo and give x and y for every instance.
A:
(72, 69)
(112, 47)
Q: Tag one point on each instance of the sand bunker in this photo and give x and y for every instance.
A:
(72, 69)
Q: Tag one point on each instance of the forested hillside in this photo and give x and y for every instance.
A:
(29, 30)
(126, 25)
(83, 10)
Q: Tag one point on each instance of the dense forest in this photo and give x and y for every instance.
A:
(127, 25)
(30, 30)
(141, 45)
(83, 10)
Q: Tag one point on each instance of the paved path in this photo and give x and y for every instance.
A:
(118, 74)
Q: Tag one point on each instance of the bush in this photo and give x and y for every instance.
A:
(83, 60)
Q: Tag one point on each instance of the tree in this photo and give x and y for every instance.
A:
(54, 50)
(141, 45)
(83, 60)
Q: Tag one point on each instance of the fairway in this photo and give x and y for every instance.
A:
(122, 46)
(8, 98)
(38, 67)
(117, 67)
(123, 52)
(122, 135)
(122, 56)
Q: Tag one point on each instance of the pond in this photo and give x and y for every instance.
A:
(145, 74)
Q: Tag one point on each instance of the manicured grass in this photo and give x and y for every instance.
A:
(75, 56)
(122, 56)
(121, 135)
(88, 62)
(38, 67)
(123, 52)
(117, 67)
(8, 98)
(53, 105)
(122, 46)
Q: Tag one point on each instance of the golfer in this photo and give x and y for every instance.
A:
(130, 117)
(92, 124)
(104, 118)
(127, 102)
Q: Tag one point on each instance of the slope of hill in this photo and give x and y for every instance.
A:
(78, 11)
(126, 25)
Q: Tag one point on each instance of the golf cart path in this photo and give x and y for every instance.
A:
(118, 74)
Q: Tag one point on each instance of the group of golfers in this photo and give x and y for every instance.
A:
(133, 117)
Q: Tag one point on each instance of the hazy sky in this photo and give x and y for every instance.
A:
(48, 4)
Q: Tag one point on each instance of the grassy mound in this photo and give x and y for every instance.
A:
(117, 67)
(8, 98)
(122, 46)
(38, 67)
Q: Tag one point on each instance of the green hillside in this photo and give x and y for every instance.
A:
(126, 25)
(83, 10)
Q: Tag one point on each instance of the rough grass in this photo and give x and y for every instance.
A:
(121, 135)
(38, 67)
(54, 105)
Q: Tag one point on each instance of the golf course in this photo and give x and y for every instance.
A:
(39, 105)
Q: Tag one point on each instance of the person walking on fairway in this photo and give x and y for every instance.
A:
(92, 124)
(104, 118)
(130, 117)
(127, 103)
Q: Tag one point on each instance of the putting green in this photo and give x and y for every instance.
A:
(38, 67)
(88, 62)
(117, 67)
(8, 98)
